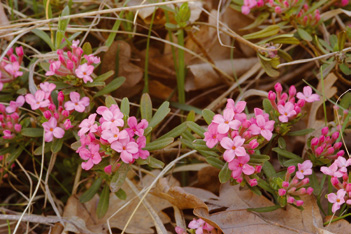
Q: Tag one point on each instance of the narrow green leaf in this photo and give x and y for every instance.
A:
(7, 150)
(76, 145)
(265, 186)
(196, 128)
(44, 36)
(267, 106)
(186, 107)
(286, 153)
(259, 158)
(267, 66)
(224, 174)
(119, 177)
(258, 21)
(315, 184)
(146, 107)
(292, 162)
(281, 143)
(94, 84)
(104, 201)
(302, 132)
(104, 76)
(125, 107)
(175, 132)
(208, 115)
(87, 49)
(266, 32)
(304, 35)
(264, 209)
(112, 86)
(47, 148)
(57, 145)
(155, 163)
(89, 194)
(32, 132)
(115, 27)
(268, 170)
(14, 155)
(191, 116)
(160, 114)
(208, 153)
(121, 194)
(216, 162)
(109, 101)
(158, 144)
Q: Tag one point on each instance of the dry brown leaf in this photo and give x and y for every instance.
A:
(177, 196)
(4, 21)
(208, 179)
(161, 91)
(130, 71)
(203, 75)
(340, 226)
(236, 218)
(85, 214)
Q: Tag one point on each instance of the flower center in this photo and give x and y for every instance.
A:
(124, 148)
(233, 148)
(115, 136)
(76, 103)
(84, 73)
(51, 129)
(338, 200)
(302, 171)
(286, 114)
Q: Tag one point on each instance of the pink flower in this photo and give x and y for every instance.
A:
(342, 164)
(143, 154)
(304, 169)
(14, 105)
(307, 95)
(88, 125)
(54, 66)
(286, 112)
(76, 103)
(51, 130)
(239, 165)
(13, 69)
(126, 148)
(332, 170)
(92, 59)
(226, 121)
(47, 88)
(92, 155)
(180, 230)
(112, 118)
(38, 100)
(212, 137)
(201, 226)
(84, 71)
(114, 134)
(135, 128)
(337, 199)
(262, 127)
(233, 148)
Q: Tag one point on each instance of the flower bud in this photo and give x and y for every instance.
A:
(281, 192)
(18, 127)
(278, 10)
(253, 182)
(301, 103)
(309, 190)
(253, 144)
(290, 200)
(335, 135)
(292, 91)
(108, 170)
(325, 131)
(258, 168)
(67, 124)
(278, 87)
(60, 96)
(291, 169)
(334, 181)
(302, 191)
(305, 181)
(340, 153)
(271, 95)
(319, 150)
(285, 184)
(47, 114)
(299, 203)
(314, 141)
(337, 145)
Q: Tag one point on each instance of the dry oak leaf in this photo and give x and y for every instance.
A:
(236, 219)
(85, 214)
(177, 196)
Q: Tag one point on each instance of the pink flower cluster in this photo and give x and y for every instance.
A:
(339, 170)
(292, 188)
(310, 19)
(285, 103)
(9, 118)
(10, 66)
(239, 137)
(58, 118)
(325, 145)
(72, 64)
(197, 226)
(111, 135)
(250, 4)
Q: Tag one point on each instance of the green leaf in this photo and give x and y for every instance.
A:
(175, 132)
(112, 86)
(158, 144)
(186, 107)
(267, 66)
(269, 170)
(259, 158)
(62, 25)
(196, 128)
(155, 163)
(125, 107)
(57, 145)
(47, 148)
(215, 162)
(121, 194)
(345, 69)
(45, 37)
(94, 84)
(292, 162)
(265, 186)
(281, 143)
(89, 194)
(115, 28)
(224, 174)
(87, 49)
(284, 55)
(266, 32)
(119, 177)
(32, 132)
(104, 76)
(286, 153)
(208, 115)
(146, 107)
(7, 150)
(315, 184)
(160, 114)
(109, 101)
(304, 35)
(264, 209)
(258, 21)
(302, 132)
(267, 106)
(104, 201)
(14, 155)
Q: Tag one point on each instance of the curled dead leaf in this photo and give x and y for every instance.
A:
(4, 21)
